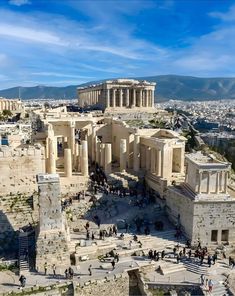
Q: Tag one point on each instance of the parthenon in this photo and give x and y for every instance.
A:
(116, 94)
(11, 105)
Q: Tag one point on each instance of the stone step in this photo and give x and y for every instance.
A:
(168, 268)
(220, 290)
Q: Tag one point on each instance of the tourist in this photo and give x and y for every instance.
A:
(71, 273)
(163, 254)
(87, 235)
(54, 270)
(135, 238)
(210, 285)
(45, 268)
(89, 270)
(130, 244)
(209, 259)
(178, 258)
(174, 251)
(189, 253)
(184, 251)
(150, 254)
(214, 258)
(116, 257)
(115, 230)
(101, 234)
(180, 253)
(92, 235)
(22, 281)
(113, 264)
(202, 279)
(66, 273)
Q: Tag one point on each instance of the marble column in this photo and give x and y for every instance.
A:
(76, 156)
(72, 137)
(123, 152)
(136, 149)
(134, 97)
(152, 99)
(217, 183)
(127, 98)
(120, 97)
(67, 163)
(108, 158)
(159, 163)
(52, 159)
(114, 98)
(108, 99)
(141, 98)
(93, 143)
(102, 155)
(208, 182)
(85, 171)
(199, 182)
(225, 181)
(153, 159)
(148, 158)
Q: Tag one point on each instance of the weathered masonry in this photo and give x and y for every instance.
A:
(120, 93)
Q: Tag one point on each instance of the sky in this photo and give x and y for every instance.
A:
(70, 42)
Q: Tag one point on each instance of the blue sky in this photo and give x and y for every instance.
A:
(68, 42)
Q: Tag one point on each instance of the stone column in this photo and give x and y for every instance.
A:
(55, 148)
(120, 97)
(127, 97)
(141, 98)
(159, 163)
(146, 98)
(134, 97)
(76, 157)
(208, 182)
(52, 159)
(152, 165)
(97, 156)
(136, 149)
(85, 158)
(108, 99)
(225, 181)
(93, 143)
(148, 158)
(217, 183)
(123, 152)
(199, 182)
(72, 137)
(114, 98)
(67, 163)
(102, 155)
(108, 158)
(152, 97)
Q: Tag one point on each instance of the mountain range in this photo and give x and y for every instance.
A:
(186, 88)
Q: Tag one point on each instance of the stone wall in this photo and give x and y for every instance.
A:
(178, 204)
(20, 167)
(213, 215)
(110, 286)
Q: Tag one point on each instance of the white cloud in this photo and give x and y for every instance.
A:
(226, 16)
(19, 2)
(32, 35)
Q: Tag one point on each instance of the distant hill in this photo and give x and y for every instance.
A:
(168, 87)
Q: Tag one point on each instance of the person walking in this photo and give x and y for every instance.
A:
(45, 268)
(113, 264)
(89, 270)
(22, 281)
(202, 279)
(210, 285)
(54, 270)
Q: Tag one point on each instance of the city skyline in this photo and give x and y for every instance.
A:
(57, 43)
